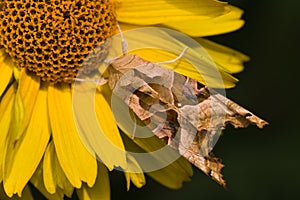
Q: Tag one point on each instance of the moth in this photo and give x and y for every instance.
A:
(187, 115)
(184, 113)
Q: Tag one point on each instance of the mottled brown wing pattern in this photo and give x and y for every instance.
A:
(179, 110)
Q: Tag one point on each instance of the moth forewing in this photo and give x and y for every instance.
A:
(193, 117)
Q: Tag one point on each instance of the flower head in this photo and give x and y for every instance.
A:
(43, 45)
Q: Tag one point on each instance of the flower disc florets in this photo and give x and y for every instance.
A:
(53, 37)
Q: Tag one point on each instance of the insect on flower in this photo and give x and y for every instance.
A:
(44, 44)
(184, 113)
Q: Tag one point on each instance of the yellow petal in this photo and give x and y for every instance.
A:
(149, 12)
(171, 168)
(156, 154)
(228, 59)
(101, 189)
(110, 129)
(6, 108)
(28, 88)
(198, 28)
(97, 125)
(75, 160)
(53, 175)
(126, 26)
(175, 168)
(171, 176)
(156, 45)
(137, 178)
(26, 194)
(37, 182)
(6, 69)
(22, 157)
(218, 79)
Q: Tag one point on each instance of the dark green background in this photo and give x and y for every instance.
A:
(260, 164)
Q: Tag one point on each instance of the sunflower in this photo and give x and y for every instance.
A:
(43, 44)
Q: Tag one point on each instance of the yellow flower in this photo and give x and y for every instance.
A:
(43, 44)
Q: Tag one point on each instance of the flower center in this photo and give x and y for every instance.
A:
(53, 37)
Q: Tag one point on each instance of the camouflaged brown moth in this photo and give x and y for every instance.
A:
(184, 113)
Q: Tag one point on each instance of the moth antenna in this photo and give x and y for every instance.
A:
(123, 41)
(174, 60)
(100, 81)
(124, 44)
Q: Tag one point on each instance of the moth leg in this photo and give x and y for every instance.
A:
(100, 81)
(173, 60)
(123, 41)
(108, 61)
(186, 81)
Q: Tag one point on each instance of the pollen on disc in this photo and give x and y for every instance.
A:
(52, 38)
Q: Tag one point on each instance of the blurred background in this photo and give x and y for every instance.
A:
(259, 164)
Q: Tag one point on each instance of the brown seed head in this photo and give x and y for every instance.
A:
(53, 37)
